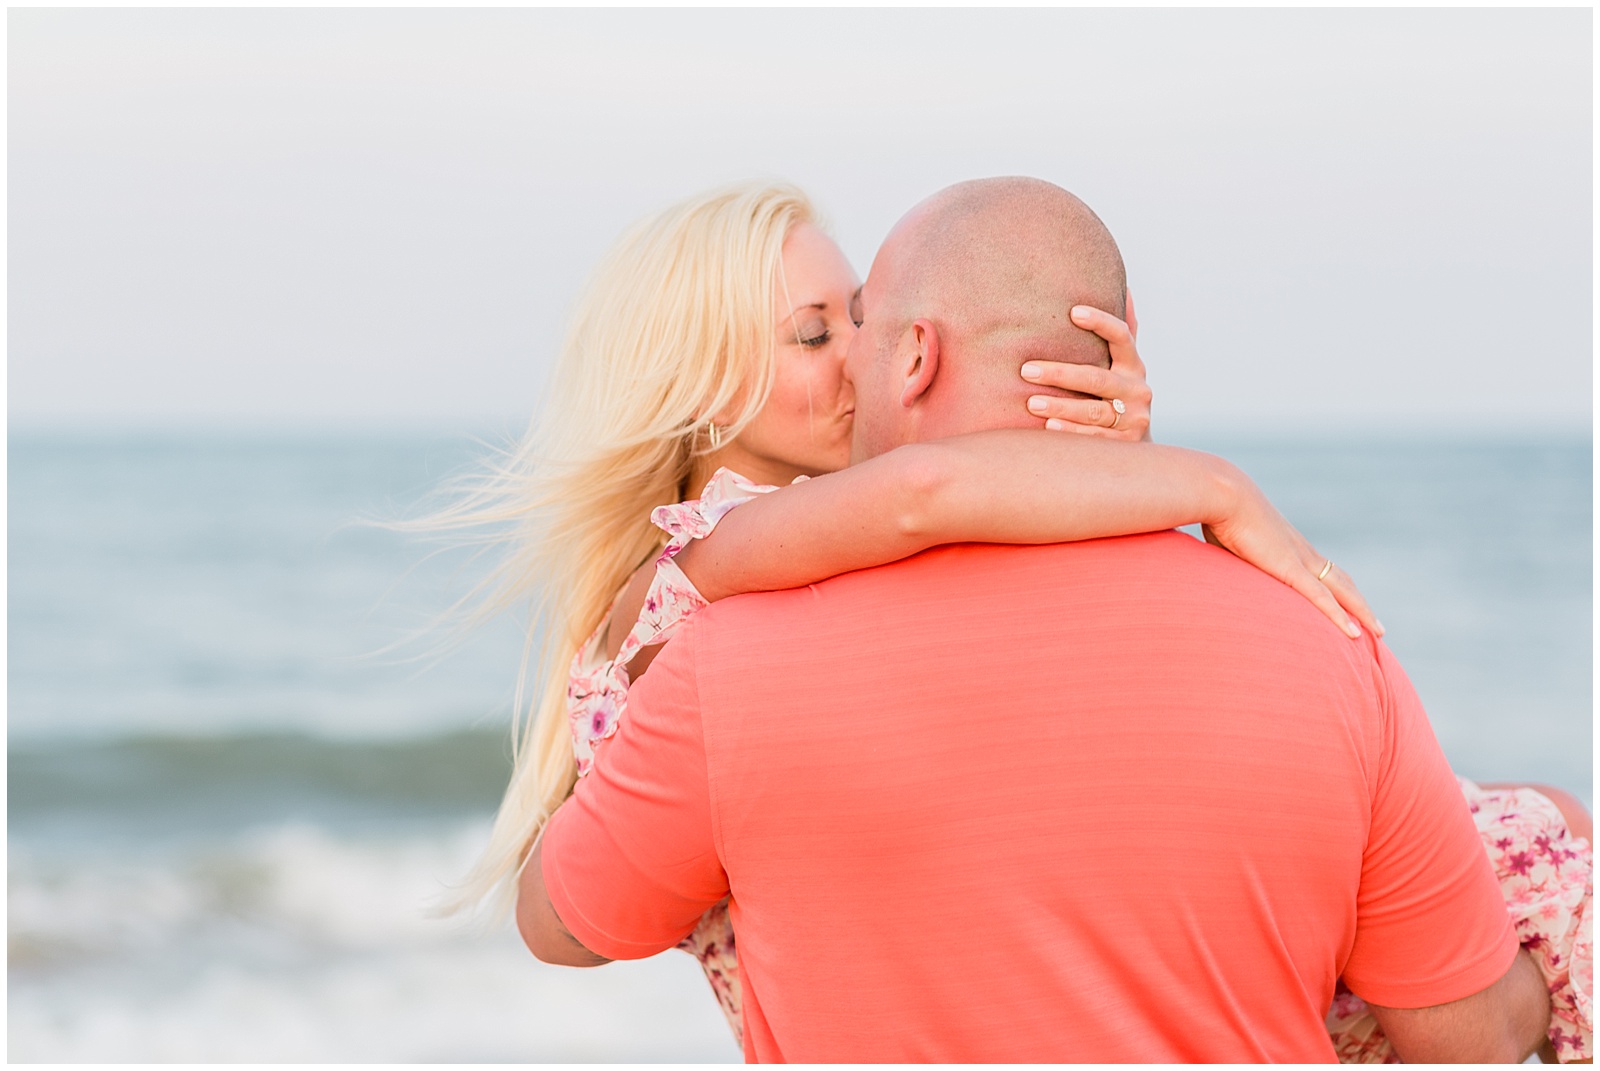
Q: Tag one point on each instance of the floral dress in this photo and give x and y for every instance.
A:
(1546, 874)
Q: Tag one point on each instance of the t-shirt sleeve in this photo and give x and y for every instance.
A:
(1431, 922)
(629, 861)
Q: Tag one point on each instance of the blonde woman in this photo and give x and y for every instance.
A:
(704, 371)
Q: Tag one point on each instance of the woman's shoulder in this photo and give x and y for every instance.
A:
(695, 518)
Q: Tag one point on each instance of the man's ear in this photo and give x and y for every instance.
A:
(921, 361)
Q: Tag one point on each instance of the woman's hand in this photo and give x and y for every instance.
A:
(1123, 382)
(1256, 532)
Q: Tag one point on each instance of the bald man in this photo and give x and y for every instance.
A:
(982, 270)
(1122, 800)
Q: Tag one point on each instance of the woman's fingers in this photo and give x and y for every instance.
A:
(1099, 413)
(1090, 412)
(1092, 416)
(1344, 589)
(1306, 583)
(1270, 544)
(1083, 378)
(1337, 596)
(1118, 397)
(1124, 354)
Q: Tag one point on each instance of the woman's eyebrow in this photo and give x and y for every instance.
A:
(798, 309)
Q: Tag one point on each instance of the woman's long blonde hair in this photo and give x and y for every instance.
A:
(675, 326)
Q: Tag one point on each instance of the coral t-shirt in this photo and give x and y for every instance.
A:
(1122, 800)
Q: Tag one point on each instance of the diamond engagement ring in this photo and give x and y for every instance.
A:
(1118, 408)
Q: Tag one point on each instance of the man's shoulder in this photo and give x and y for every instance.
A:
(1169, 553)
(1135, 579)
(971, 568)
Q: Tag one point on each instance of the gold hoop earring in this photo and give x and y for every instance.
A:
(714, 433)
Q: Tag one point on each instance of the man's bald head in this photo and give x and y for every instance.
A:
(1001, 260)
(987, 273)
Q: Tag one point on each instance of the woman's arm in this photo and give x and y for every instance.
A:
(1006, 486)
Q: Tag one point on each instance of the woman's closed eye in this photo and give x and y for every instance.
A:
(814, 336)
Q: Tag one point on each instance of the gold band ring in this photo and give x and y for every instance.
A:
(1326, 569)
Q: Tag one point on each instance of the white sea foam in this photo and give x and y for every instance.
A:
(295, 944)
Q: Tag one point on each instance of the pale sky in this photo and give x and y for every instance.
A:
(1331, 219)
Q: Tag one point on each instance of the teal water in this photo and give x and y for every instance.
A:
(214, 591)
(1478, 556)
(216, 586)
(229, 818)
(228, 815)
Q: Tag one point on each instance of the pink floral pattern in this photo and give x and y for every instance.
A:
(1547, 875)
(597, 688)
(712, 944)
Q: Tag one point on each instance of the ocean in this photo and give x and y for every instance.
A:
(233, 798)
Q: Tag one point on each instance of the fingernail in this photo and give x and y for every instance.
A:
(1381, 629)
(1036, 404)
(1032, 371)
(1080, 312)
(1054, 424)
(1354, 630)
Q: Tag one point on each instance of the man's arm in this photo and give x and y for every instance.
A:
(1503, 1024)
(1435, 954)
(546, 936)
(627, 866)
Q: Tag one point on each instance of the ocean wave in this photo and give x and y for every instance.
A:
(203, 783)
(293, 943)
